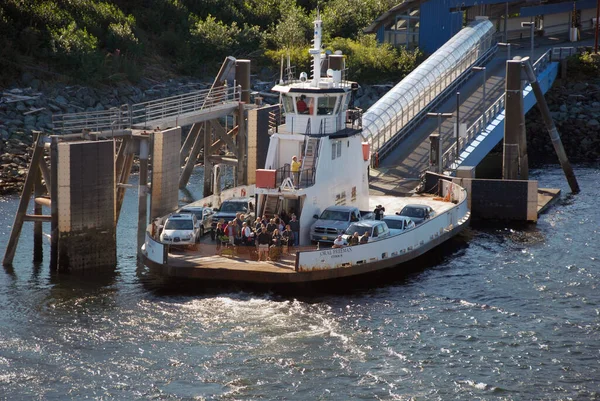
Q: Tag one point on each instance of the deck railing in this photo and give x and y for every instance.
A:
(449, 156)
(303, 179)
(146, 114)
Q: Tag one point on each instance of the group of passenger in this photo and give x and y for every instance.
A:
(355, 239)
(270, 236)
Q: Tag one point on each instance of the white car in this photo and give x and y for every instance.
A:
(181, 229)
(377, 230)
(398, 224)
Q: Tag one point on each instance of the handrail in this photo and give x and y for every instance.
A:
(174, 106)
(449, 156)
(113, 119)
(146, 113)
(305, 177)
(389, 144)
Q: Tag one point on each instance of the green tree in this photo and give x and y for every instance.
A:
(347, 18)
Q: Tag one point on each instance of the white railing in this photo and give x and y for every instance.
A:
(147, 113)
(402, 124)
(410, 241)
(144, 114)
(113, 119)
(449, 156)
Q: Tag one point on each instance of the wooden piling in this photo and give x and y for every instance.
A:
(54, 203)
(142, 193)
(38, 254)
(514, 120)
(207, 164)
(198, 134)
(13, 241)
(241, 146)
(554, 135)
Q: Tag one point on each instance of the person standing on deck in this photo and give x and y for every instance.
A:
(295, 227)
(231, 232)
(264, 240)
(295, 169)
(239, 220)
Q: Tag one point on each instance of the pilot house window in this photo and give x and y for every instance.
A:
(325, 105)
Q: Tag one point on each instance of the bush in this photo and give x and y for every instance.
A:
(586, 64)
(347, 18)
(75, 49)
(299, 59)
(369, 61)
(213, 38)
(120, 36)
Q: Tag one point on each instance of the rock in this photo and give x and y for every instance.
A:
(89, 101)
(563, 108)
(61, 100)
(593, 123)
(27, 78)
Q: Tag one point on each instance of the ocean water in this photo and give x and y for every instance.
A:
(511, 313)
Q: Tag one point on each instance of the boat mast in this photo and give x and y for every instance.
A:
(316, 52)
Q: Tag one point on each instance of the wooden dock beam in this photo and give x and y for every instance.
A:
(32, 176)
(142, 193)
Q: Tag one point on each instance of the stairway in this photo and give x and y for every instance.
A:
(271, 205)
(309, 158)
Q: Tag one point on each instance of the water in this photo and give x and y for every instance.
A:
(512, 316)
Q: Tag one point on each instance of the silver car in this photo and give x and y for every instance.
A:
(417, 213)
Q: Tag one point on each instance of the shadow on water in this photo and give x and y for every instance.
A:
(348, 286)
(516, 232)
(74, 284)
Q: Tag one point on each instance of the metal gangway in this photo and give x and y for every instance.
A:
(179, 110)
(393, 117)
(394, 125)
(488, 123)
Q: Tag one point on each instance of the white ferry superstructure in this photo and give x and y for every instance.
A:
(335, 157)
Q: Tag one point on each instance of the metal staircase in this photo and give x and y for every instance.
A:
(310, 153)
(271, 205)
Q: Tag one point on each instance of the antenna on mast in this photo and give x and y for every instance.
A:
(315, 52)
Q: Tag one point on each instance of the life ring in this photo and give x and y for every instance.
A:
(243, 192)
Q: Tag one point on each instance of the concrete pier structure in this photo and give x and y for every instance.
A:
(86, 205)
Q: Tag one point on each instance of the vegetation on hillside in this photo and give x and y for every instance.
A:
(113, 40)
(583, 66)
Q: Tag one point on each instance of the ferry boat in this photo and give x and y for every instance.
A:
(323, 132)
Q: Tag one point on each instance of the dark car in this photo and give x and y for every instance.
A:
(417, 213)
(228, 210)
(204, 215)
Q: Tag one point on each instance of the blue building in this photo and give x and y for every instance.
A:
(428, 24)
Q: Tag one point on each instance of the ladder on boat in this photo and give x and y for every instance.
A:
(271, 205)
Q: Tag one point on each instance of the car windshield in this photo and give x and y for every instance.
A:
(233, 207)
(394, 224)
(179, 225)
(357, 228)
(412, 211)
(197, 212)
(335, 215)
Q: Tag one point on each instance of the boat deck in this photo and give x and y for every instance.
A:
(212, 256)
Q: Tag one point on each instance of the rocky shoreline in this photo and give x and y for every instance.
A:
(30, 107)
(575, 107)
